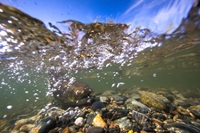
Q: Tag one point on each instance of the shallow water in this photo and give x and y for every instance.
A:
(172, 64)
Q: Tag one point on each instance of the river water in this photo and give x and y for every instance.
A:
(105, 62)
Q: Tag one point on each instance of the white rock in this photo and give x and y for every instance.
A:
(104, 99)
(79, 121)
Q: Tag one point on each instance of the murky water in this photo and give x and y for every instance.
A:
(96, 55)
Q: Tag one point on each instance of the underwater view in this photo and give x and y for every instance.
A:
(123, 74)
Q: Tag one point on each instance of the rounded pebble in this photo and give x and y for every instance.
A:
(79, 121)
(97, 105)
(104, 99)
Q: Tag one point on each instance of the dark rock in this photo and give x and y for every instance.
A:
(119, 99)
(116, 114)
(95, 130)
(184, 104)
(97, 105)
(143, 110)
(114, 130)
(159, 116)
(45, 125)
(90, 118)
(140, 118)
(195, 110)
(72, 93)
(185, 128)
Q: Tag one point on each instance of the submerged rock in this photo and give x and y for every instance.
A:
(97, 105)
(99, 122)
(73, 93)
(181, 127)
(45, 125)
(22, 122)
(79, 121)
(195, 110)
(27, 127)
(119, 99)
(124, 123)
(154, 100)
(104, 99)
(131, 103)
(140, 118)
(95, 130)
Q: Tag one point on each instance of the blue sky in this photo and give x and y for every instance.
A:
(158, 15)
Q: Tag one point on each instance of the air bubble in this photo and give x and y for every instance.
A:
(9, 107)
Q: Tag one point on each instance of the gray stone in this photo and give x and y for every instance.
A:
(131, 102)
(124, 123)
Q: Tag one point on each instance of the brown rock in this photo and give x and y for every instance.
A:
(26, 127)
(34, 130)
(154, 100)
(65, 130)
(195, 110)
(99, 122)
(22, 122)
(113, 125)
(17, 126)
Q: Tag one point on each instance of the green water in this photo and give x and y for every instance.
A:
(179, 70)
(22, 96)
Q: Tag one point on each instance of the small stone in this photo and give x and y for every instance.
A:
(124, 123)
(130, 131)
(18, 126)
(22, 122)
(95, 130)
(99, 122)
(79, 121)
(46, 124)
(104, 99)
(113, 125)
(159, 116)
(34, 130)
(26, 128)
(140, 118)
(131, 103)
(90, 118)
(184, 104)
(97, 105)
(195, 110)
(119, 99)
(66, 130)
